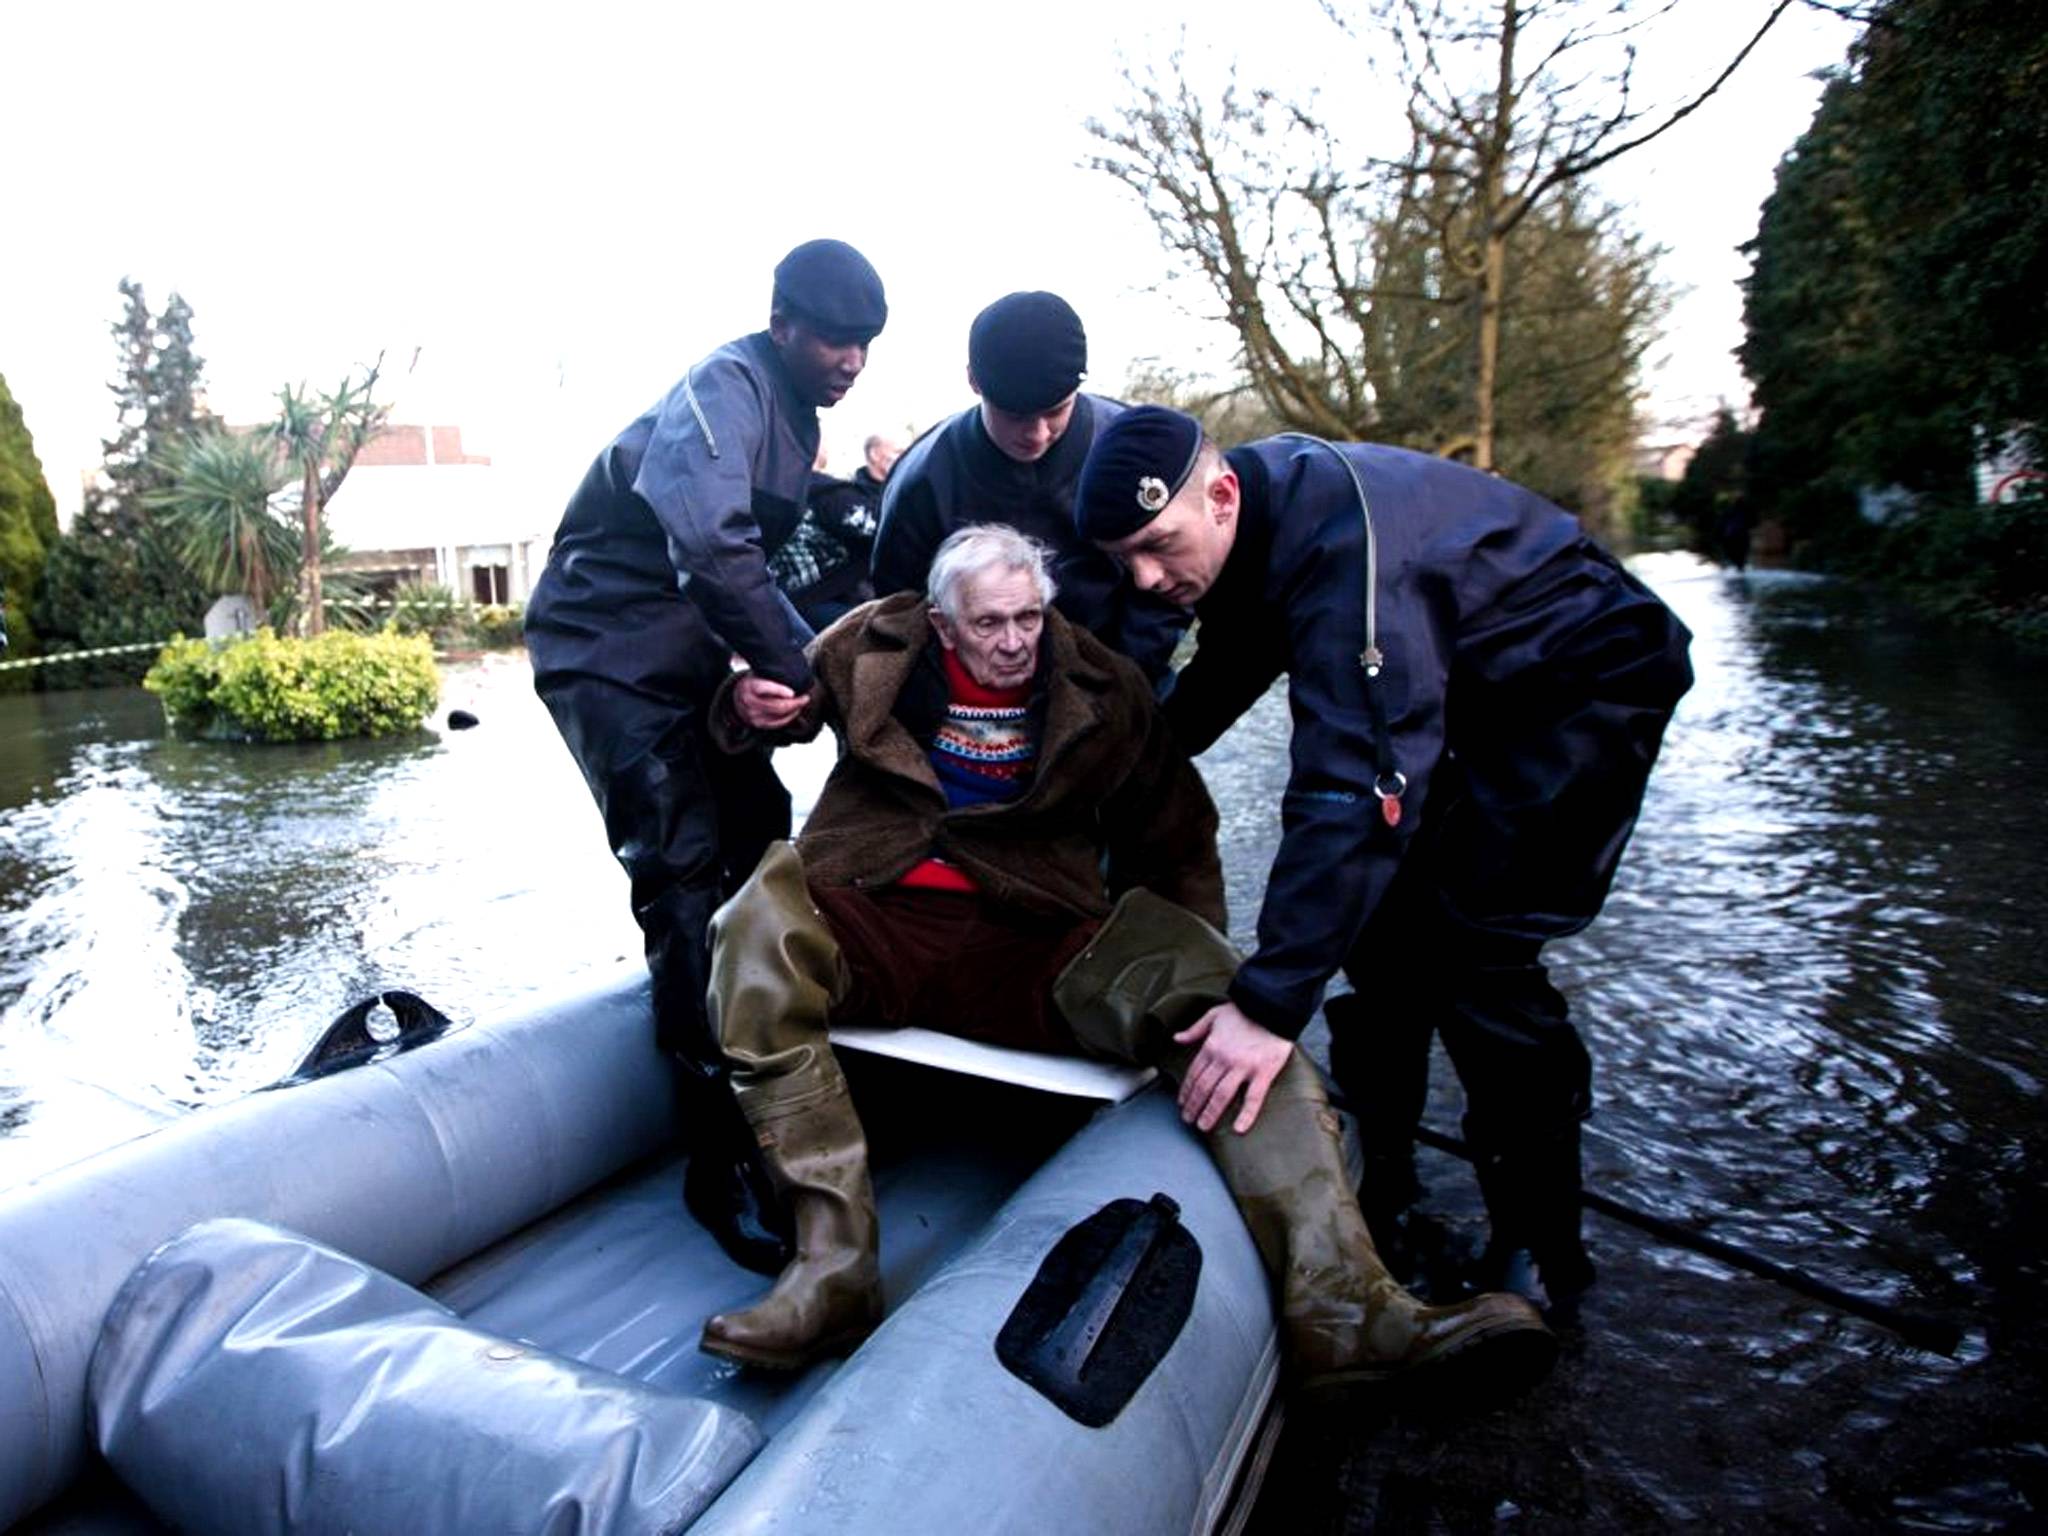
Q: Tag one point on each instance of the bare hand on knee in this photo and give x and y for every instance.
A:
(1235, 1056)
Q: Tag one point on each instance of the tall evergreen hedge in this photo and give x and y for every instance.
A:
(28, 530)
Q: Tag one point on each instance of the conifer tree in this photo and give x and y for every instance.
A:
(113, 580)
(157, 401)
(1894, 317)
(28, 528)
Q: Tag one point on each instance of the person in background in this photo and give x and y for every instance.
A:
(657, 579)
(824, 566)
(878, 456)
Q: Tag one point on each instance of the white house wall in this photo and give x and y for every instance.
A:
(468, 514)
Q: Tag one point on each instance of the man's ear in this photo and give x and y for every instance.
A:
(778, 327)
(943, 628)
(1223, 494)
(972, 382)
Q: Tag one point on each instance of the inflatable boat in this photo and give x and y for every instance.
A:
(444, 1282)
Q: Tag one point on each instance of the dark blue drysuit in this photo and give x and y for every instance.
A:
(658, 576)
(1526, 683)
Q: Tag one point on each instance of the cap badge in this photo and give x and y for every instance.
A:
(1152, 494)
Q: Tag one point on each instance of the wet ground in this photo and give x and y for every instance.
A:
(1816, 1003)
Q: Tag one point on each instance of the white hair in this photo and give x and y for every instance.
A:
(971, 550)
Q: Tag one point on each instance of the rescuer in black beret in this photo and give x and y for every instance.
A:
(1027, 353)
(829, 285)
(657, 579)
(1477, 692)
(1135, 471)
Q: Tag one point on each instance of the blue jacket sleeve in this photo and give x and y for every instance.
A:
(697, 475)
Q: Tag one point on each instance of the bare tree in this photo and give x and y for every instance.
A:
(1509, 102)
(1558, 105)
(1241, 190)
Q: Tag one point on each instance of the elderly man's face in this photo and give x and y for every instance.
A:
(996, 632)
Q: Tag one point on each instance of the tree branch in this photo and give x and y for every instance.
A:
(1571, 169)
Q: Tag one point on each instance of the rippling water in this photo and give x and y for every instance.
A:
(1818, 1007)
(1817, 1004)
(180, 920)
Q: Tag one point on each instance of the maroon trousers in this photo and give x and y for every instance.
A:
(953, 961)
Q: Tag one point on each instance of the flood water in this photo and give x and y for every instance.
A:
(1816, 1004)
(180, 920)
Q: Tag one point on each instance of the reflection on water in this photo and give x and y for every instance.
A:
(1820, 951)
(1816, 1003)
(179, 920)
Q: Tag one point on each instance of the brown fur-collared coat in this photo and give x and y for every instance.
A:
(1108, 778)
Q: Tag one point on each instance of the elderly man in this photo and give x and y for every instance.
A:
(996, 759)
(658, 575)
(1478, 693)
(1015, 458)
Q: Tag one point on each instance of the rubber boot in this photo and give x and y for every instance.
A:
(775, 971)
(1531, 1185)
(1152, 970)
(829, 1297)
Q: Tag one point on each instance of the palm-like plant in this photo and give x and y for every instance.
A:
(320, 436)
(216, 513)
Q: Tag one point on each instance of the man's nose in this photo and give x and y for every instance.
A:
(1147, 574)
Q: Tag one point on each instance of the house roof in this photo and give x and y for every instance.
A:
(399, 443)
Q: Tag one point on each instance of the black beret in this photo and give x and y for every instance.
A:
(1028, 352)
(1138, 464)
(831, 286)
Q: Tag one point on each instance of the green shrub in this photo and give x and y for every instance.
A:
(424, 608)
(183, 678)
(1963, 561)
(494, 627)
(268, 689)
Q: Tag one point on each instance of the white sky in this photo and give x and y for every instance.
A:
(558, 208)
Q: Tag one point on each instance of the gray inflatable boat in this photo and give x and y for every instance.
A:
(453, 1288)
